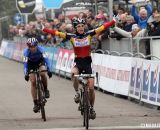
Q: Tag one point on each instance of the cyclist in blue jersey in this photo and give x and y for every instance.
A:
(35, 57)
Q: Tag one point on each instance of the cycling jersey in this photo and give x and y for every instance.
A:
(33, 59)
(81, 42)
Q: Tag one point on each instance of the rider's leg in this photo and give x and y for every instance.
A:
(44, 81)
(43, 76)
(91, 91)
(91, 97)
(75, 71)
(32, 78)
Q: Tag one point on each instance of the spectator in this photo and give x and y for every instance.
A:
(129, 22)
(89, 21)
(122, 21)
(82, 15)
(89, 13)
(154, 27)
(144, 13)
(151, 18)
(136, 31)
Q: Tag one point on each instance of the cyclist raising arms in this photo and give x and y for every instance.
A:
(35, 57)
(81, 42)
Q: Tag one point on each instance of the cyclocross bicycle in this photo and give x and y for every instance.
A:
(40, 92)
(84, 105)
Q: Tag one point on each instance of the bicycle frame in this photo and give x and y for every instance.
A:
(40, 92)
(84, 102)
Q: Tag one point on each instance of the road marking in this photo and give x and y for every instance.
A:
(108, 128)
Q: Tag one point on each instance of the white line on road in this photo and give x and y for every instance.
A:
(108, 128)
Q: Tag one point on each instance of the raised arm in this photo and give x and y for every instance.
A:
(149, 9)
(122, 32)
(105, 26)
(134, 13)
(55, 32)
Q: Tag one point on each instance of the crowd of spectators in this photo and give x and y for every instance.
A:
(62, 23)
(138, 22)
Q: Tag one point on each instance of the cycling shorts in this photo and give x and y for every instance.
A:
(84, 65)
(32, 66)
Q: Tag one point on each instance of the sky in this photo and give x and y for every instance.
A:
(39, 3)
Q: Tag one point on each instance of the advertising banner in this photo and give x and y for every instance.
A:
(62, 60)
(70, 63)
(108, 73)
(54, 60)
(158, 93)
(9, 49)
(123, 73)
(3, 47)
(146, 81)
(96, 65)
(136, 78)
(59, 60)
(150, 90)
(49, 53)
(18, 52)
(65, 59)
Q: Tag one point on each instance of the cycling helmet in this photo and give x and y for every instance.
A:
(32, 42)
(77, 21)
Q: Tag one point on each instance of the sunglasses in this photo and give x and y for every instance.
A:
(32, 46)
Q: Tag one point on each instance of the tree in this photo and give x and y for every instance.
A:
(7, 7)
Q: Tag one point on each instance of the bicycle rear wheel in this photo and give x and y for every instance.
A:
(41, 101)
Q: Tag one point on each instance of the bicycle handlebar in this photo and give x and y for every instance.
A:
(38, 71)
(88, 76)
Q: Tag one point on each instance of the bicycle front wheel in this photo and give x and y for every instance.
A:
(41, 101)
(81, 104)
(86, 109)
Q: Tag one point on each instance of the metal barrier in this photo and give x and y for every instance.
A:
(99, 51)
(139, 55)
(145, 45)
(126, 46)
(127, 53)
(150, 56)
(106, 52)
(115, 53)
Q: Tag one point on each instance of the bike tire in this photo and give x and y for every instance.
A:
(84, 115)
(81, 104)
(86, 108)
(41, 102)
(43, 112)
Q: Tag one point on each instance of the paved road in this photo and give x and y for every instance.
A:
(16, 106)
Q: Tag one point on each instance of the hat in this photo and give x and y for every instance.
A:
(134, 26)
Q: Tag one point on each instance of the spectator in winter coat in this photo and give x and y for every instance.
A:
(144, 13)
(154, 27)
